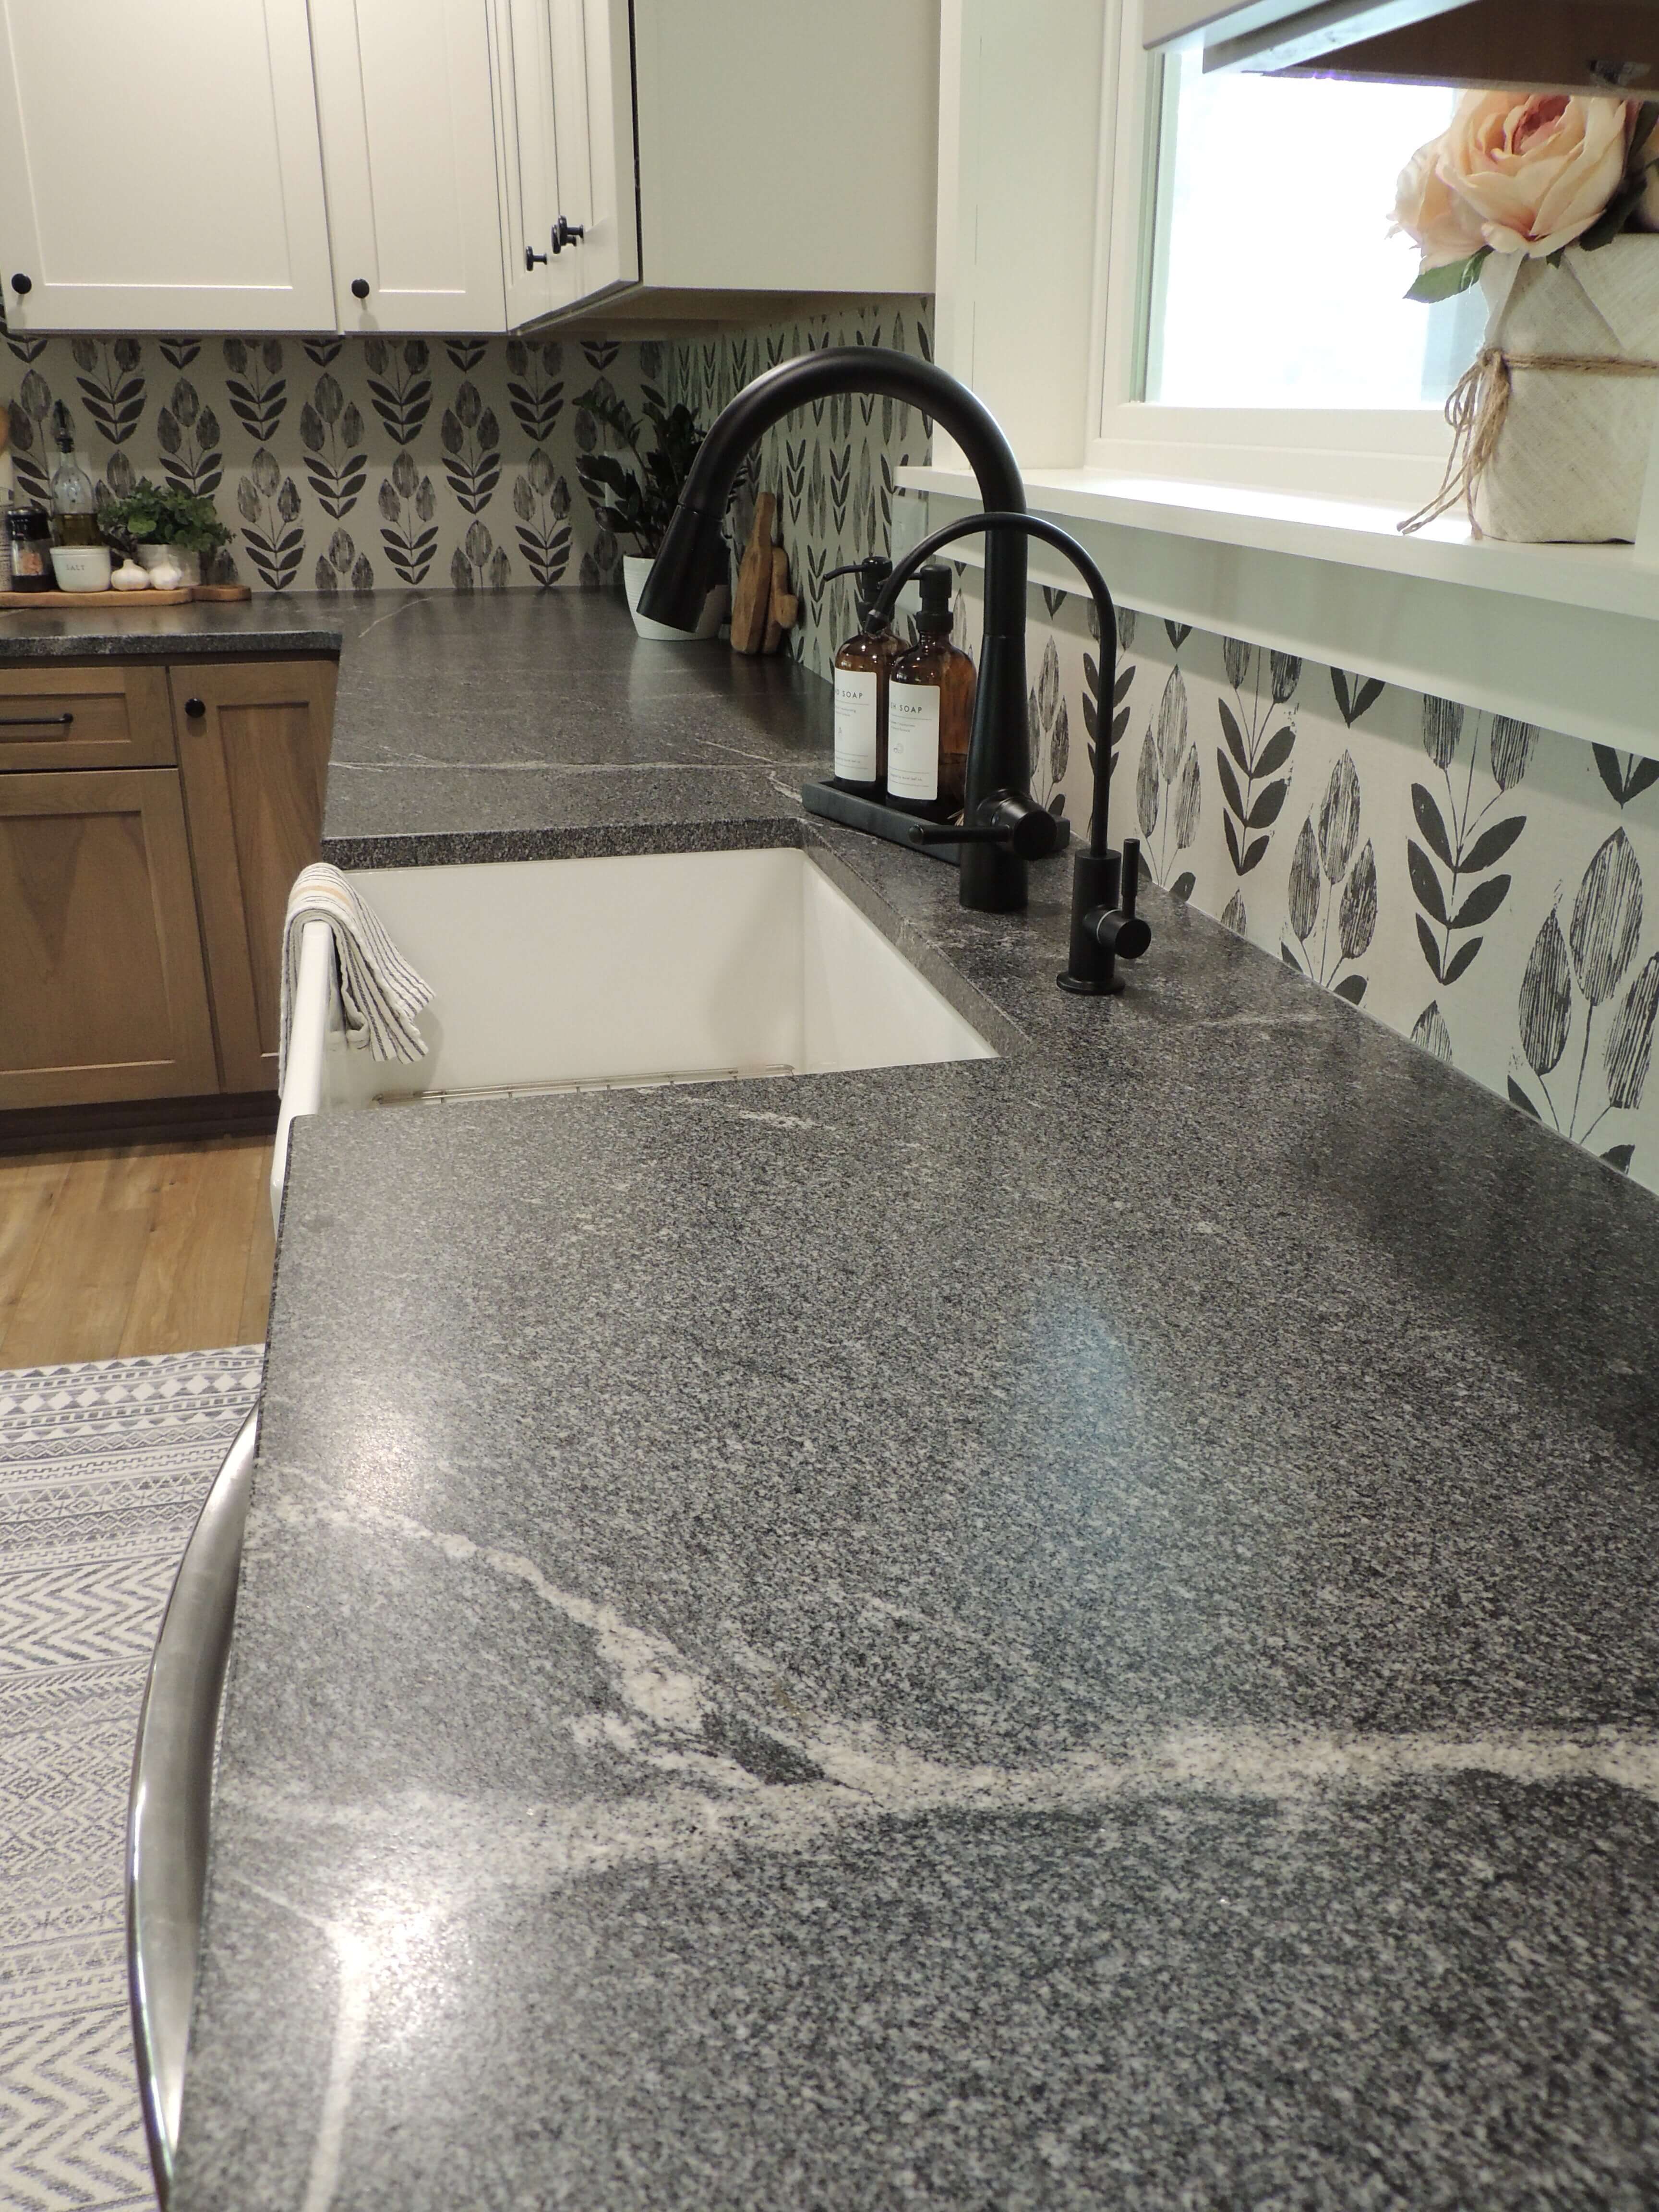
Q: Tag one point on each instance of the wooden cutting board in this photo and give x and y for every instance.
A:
(47, 602)
(754, 592)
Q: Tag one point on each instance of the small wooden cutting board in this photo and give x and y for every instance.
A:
(47, 602)
(754, 593)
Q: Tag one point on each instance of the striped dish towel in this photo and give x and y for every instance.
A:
(380, 993)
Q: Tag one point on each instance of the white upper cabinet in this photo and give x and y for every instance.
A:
(408, 128)
(565, 120)
(160, 168)
(456, 165)
(787, 146)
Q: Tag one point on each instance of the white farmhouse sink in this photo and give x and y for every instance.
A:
(680, 967)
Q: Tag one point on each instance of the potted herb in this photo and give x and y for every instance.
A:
(163, 527)
(639, 502)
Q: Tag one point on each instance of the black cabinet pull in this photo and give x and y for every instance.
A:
(21, 284)
(360, 288)
(566, 234)
(195, 709)
(34, 721)
(530, 257)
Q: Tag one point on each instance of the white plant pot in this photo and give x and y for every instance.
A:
(635, 569)
(189, 564)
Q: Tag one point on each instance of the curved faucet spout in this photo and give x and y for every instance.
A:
(676, 588)
(994, 876)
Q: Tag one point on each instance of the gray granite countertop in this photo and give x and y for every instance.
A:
(1073, 1630)
(131, 630)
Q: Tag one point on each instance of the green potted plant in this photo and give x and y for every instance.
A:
(162, 527)
(639, 502)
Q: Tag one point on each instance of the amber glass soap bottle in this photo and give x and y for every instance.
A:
(930, 708)
(861, 671)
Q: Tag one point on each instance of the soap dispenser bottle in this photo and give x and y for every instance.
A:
(861, 669)
(930, 708)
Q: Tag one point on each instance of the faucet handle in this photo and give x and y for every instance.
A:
(1130, 885)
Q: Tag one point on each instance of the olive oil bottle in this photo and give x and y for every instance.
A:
(930, 709)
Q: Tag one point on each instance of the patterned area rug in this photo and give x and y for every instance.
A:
(102, 1469)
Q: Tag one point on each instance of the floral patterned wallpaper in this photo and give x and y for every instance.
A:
(1481, 886)
(345, 463)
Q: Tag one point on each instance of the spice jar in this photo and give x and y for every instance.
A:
(29, 532)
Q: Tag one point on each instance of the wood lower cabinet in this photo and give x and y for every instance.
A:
(142, 906)
(102, 991)
(254, 740)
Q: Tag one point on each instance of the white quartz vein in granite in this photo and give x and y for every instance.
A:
(438, 1855)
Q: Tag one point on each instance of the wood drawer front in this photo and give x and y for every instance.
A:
(102, 989)
(89, 716)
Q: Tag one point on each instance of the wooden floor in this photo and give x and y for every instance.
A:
(148, 1247)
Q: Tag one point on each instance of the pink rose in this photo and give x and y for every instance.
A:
(1535, 169)
(1445, 226)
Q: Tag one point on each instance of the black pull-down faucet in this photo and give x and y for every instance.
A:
(1002, 827)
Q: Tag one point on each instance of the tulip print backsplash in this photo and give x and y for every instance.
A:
(346, 465)
(1489, 889)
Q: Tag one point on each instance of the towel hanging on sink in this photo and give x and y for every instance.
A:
(381, 994)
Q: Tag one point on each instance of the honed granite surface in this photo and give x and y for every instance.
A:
(1074, 1630)
(130, 630)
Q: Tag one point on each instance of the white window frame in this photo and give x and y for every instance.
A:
(1393, 457)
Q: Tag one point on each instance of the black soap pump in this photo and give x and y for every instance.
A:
(861, 669)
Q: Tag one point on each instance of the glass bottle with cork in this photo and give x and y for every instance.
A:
(930, 709)
(861, 669)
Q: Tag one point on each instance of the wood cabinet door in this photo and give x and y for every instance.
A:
(254, 738)
(159, 167)
(102, 993)
(96, 715)
(408, 151)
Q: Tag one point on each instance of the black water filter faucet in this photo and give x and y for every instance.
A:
(1105, 885)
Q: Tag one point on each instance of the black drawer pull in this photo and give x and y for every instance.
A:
(195, 709)
(34, 721)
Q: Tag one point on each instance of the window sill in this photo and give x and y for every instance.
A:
(1565, 636)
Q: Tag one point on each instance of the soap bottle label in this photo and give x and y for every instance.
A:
(912, 740)
(856, 725)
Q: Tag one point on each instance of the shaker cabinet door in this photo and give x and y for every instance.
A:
(409, 150)
(159, 167)
(565, 125)
(101, 989)
(253, 740)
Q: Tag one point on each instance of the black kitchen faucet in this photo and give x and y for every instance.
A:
(1003, 828)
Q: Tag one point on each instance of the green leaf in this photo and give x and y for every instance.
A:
(1445, 284)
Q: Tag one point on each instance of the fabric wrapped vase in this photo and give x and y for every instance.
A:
(1554, 421)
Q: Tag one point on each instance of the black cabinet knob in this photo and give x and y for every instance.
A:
(566, 234)
(195, 709)
(530, 257)
(21, 284)
(360, 288)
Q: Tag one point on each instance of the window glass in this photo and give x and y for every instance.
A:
(1274, 280)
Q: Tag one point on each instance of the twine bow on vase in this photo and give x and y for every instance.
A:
(1478, 408)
